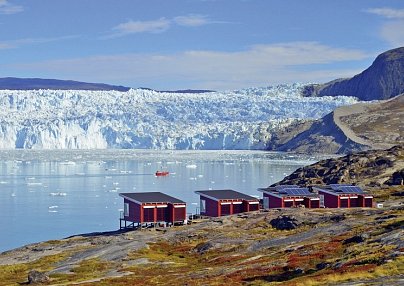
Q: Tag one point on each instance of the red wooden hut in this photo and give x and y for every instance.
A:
(217, 203)
(286, 196)
(344, 196)
(151, 207)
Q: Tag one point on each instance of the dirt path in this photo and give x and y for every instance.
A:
(346, 111)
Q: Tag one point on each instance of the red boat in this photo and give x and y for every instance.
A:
(162, 173)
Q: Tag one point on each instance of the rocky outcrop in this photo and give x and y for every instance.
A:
(382, 80)
(372, 168)
(36, 277)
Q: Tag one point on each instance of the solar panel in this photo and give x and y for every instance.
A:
(351, 189)
(338, 186)
(281, 187)
(295, 191)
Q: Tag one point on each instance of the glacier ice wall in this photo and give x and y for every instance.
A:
(242, 119)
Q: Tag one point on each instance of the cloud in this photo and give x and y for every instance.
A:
(391, 31)
(388, 13)
(29, 41)
(8, 8)
(258, 65)
(192, 20)
(132, 27)
(158, 26)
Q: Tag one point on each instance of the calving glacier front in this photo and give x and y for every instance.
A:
(243, 119)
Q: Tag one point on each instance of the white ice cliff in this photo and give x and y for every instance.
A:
(243, 119)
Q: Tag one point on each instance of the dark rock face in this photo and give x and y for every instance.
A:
(382, 80)
(396, 179)
(284, 223)
(373, 167)
(36, 277)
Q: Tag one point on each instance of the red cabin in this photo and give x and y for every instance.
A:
(217, 203)
(152, 207)
(344, 196)
(287, 196)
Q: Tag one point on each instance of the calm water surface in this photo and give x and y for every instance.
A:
(54, 194)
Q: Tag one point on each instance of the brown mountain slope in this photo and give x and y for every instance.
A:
(361, 126)
(382, 80)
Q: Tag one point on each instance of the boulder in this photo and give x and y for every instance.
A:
(36, 277)
(285, 223)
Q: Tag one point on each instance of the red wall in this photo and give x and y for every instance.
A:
(274, 202)
(134, 211)
(239, 208)
(330, 201)
(211, 207)
(254, 207)
(180, 214)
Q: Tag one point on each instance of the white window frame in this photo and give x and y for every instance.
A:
(126, 209)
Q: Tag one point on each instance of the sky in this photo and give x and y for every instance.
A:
(196, 44)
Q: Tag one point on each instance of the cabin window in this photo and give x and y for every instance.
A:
(203, 206)
(126, 209)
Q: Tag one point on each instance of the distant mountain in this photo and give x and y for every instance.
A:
(357, 127)
(382, 80)
(12, 83)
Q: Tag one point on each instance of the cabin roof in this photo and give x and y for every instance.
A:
(226, 195)
(341, 189)
(288, 191)
(151, 197)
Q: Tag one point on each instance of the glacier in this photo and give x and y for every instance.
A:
(147, 119)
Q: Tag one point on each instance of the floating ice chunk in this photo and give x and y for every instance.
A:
(60, 194)
(53, 207)
(191, 166)
(34, 184)
(68, 163)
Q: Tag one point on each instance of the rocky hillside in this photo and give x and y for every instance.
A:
(361, 126)
(382, 80)
(358, 246)
(369, 168)
(292, 246)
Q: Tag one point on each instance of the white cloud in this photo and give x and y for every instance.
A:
(28, 41)
(133, 27)
(392, 31)
(257, 66)
(192, 20)
(388, 13)
(8, 8)
(158, 26)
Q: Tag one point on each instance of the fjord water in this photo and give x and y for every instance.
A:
(48, 195)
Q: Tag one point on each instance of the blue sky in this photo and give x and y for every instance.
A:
(198, 44)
